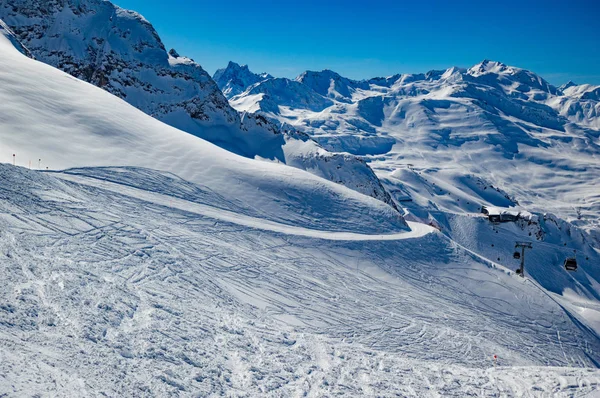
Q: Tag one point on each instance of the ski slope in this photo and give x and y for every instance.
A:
(416, 229)
(113, 290)
(148, 262)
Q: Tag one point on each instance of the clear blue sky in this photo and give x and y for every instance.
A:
(559, 40)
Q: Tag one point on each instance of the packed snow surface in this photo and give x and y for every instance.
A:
(149, 262)
(128, 281)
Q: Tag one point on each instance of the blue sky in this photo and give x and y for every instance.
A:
(559, 40)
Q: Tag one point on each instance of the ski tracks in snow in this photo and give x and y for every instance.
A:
(417, 230)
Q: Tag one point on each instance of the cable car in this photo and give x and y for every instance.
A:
(517, 255)
(571, 264)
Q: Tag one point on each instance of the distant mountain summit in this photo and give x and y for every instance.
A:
(583, 92)
(567, 85)
(330, 84)
(235, 79)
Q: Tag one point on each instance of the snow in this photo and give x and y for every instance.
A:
(125, 288)
(416, 229)
(235, 79)
(505, 125)
(121, 52)
(583, 91)
(85, 126)
(149, 262)
(7, 33)
(249, 103)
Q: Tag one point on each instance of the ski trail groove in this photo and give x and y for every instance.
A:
(417, 230)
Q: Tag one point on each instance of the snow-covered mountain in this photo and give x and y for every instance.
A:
(235, 79)
(331, 84)
(119, 51)
(580, 103)
(74, 124)
(159, 264)
(582, 92)
(506, 126)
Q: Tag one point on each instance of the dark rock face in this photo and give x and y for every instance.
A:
(118, 50)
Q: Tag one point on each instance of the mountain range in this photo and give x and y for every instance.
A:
(507, 126)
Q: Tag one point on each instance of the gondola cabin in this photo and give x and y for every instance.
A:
(571, 264)
(517, 255)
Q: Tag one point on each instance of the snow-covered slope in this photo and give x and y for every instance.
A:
(14, 40)
(179, 268)
(119, 51)
(71, 123)
(503, 125)
(583, 91)
(127, 281)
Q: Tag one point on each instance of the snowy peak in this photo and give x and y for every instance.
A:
(95, 41)
(330, 84)
(487, 66)
(285, 92)
(409, 78)
(521, 79)
(567, 85)
(583, 92)
(385, 81)
(453, 73)
(235, 79)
